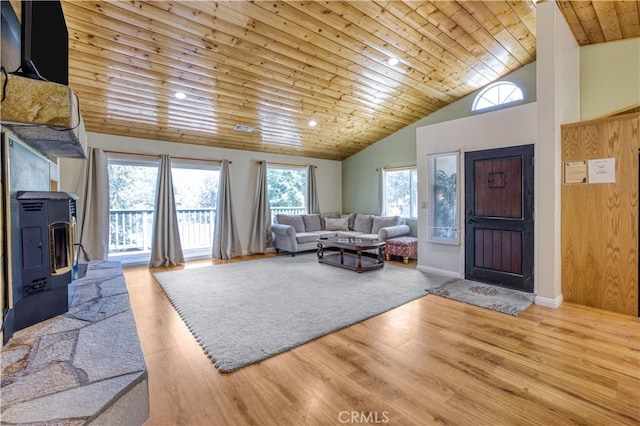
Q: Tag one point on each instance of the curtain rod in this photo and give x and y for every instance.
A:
(269, 163)
(395, 168)
(157, 155)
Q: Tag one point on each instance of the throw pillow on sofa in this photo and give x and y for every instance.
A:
(291, 220)
(363, 223)
(380, 222)
(323, 216)
(352, 218)
(311, 222)
(341, 224)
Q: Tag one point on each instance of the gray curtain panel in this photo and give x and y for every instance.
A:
(165, 241)
(313, 205)
(94, 230)
(381, 208)
(261, 237)
(226, 240)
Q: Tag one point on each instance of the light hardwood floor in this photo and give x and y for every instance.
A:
(431, 361)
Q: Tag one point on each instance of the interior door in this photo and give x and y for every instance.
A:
(499, 217)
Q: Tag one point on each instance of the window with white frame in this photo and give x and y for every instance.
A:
(287, 189)
(500, 93)
(443, 198)
(400, 192)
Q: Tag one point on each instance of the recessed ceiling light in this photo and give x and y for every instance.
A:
(313, 123)
(393, 61)
(243, 128)
(180, 95)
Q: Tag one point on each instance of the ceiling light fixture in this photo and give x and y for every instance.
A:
(393, 61)
(243, 128)
(313, 123)
(180, 95)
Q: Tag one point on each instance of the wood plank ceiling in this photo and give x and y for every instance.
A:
(276, 65)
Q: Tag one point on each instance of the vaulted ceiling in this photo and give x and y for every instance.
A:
(275, 65)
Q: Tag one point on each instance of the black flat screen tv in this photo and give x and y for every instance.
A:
(10, 27)
(43, 44)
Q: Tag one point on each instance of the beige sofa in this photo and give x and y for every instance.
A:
(296, 233)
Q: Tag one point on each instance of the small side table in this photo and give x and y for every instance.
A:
(405, 247)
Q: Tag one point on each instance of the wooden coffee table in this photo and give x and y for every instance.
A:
(351, 253)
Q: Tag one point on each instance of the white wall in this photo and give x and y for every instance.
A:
(498, 129)
(610, 77)
(558, 83)
(242, 171)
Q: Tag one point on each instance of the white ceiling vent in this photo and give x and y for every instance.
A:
(243, 128)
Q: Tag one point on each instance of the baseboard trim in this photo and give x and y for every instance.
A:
(439, 271)
(267, 250)
(549, 303)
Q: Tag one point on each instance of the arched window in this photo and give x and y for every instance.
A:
(499, 93)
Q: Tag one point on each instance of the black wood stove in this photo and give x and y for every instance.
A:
(43, 228)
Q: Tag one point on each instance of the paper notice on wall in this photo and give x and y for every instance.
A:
(575, 172)
(602, 170)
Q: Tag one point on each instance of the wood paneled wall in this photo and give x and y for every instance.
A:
(600, 220)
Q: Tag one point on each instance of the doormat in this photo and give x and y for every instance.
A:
(500, 299)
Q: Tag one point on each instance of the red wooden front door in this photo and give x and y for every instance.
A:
(499, 216)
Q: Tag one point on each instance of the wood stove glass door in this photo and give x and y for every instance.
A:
(60, 248)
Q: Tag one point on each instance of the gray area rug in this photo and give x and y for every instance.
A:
(244, 312)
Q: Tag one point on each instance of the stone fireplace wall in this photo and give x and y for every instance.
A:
(25, 170)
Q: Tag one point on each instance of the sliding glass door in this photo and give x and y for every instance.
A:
(195, 188)
(132, 195)
(132, 189)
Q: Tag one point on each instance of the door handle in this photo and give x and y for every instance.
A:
(470, 221)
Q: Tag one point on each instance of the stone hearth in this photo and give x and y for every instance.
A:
(85, 366)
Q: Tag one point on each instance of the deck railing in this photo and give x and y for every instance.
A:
(130, 229)
(287, 210)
